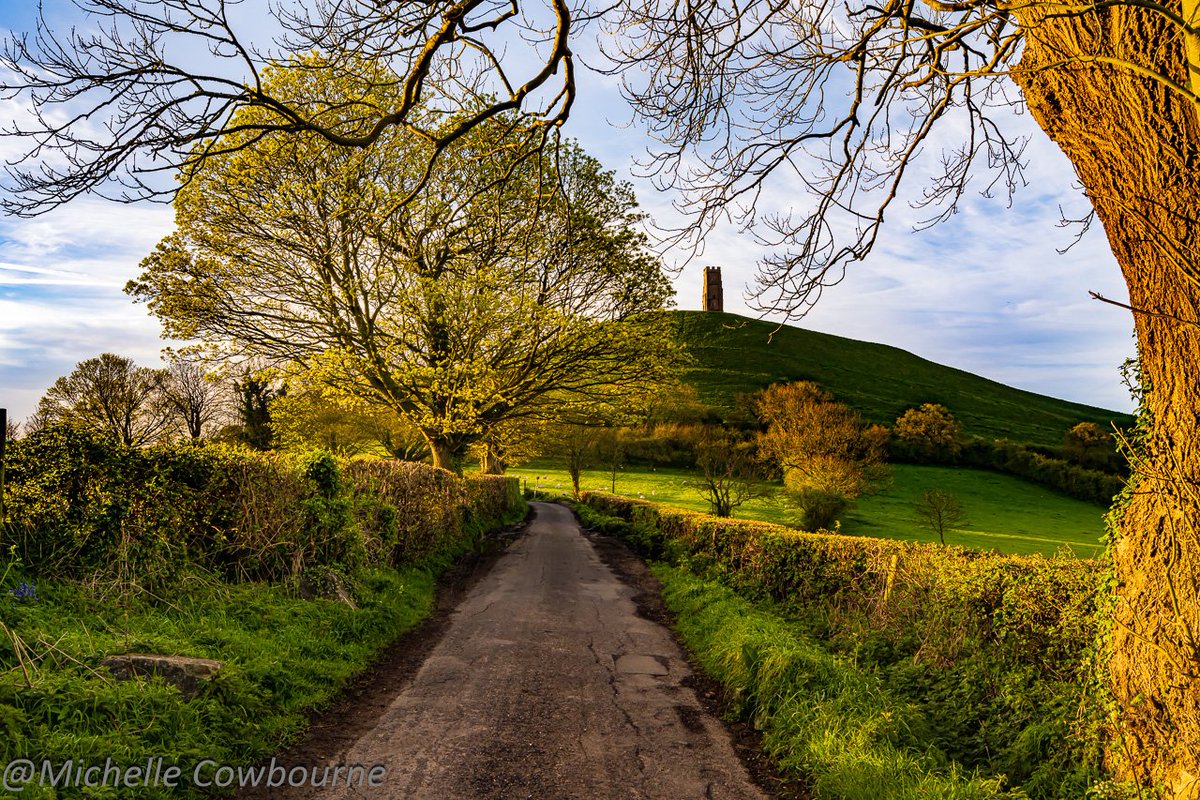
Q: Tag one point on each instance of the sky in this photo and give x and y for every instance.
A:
(986, 291)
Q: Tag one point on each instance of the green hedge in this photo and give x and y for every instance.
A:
(79, 506)
(1028, 462)
(996, 650)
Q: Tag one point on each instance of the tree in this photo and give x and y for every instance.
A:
(197, 400)
(575, 445)
(850, 96)
(729, 472)
(819, 443)
(940, 511)
(483, 301)
(1091, 446)
(112, 395)
(254, 396)
(611, 449)
(308, 418)
(931, 430)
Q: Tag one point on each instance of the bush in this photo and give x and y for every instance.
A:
(930, 431)
(818, 510)
(995, 650)
(84, 507)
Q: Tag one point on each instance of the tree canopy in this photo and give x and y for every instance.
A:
(515, 286)
(113, 396)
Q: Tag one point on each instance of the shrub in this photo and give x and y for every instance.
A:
(84, 507)
(818, 510)
(994, 649)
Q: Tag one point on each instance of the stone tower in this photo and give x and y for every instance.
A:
(714, 297)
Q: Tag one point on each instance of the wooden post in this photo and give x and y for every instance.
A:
(3, 442)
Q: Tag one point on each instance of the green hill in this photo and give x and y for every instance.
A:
(734, 355)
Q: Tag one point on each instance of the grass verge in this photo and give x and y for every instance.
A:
(822, 718)
(283, 657)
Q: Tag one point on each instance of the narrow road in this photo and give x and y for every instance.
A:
(548, 685)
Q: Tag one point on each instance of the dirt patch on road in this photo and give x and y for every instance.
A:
(747, 741)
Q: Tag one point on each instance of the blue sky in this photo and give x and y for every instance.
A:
(985, 291)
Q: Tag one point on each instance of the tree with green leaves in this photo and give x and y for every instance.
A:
(112, 395)
(514, 286)
(254, 397)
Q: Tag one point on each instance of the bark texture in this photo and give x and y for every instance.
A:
(1134, 142)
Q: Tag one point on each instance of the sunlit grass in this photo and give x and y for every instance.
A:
(1003, 513)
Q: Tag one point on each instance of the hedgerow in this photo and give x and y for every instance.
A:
(995, 651)
(206, 551)
(80, 506)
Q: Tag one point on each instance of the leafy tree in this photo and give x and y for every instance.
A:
(729, 470)
(113, 396)
(197, 400)
(254, 396)
(850, 95)
(931, 430)
(819, 443)
(515, 287)
(1091, 446)
(575, 445)
(612, 452)
(940, 511)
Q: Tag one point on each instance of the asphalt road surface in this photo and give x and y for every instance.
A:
(548, 685)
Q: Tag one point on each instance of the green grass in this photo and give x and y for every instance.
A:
(1003, 513)
(282, 656)
(824, 720)
(735, 355)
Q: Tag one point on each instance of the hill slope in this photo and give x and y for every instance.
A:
(735, 355)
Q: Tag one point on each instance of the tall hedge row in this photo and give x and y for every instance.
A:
(80, 506)
(996, 649)
(1022, 461)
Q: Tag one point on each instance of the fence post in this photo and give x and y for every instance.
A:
(3, 442)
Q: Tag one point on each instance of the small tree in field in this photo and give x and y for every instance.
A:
(818, 442)
(930, 430)
(730, 472)
(574, 444)
(611, 446)
(940, 511)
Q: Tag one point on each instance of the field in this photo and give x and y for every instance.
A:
(1003, 513)
(735, 355)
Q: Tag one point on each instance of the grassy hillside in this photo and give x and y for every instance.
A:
(735, 355)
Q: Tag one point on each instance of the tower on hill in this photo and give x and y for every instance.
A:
(714, 296)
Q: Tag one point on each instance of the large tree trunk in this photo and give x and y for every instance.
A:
(445, 453)
(490, 462)
(1134, 143)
